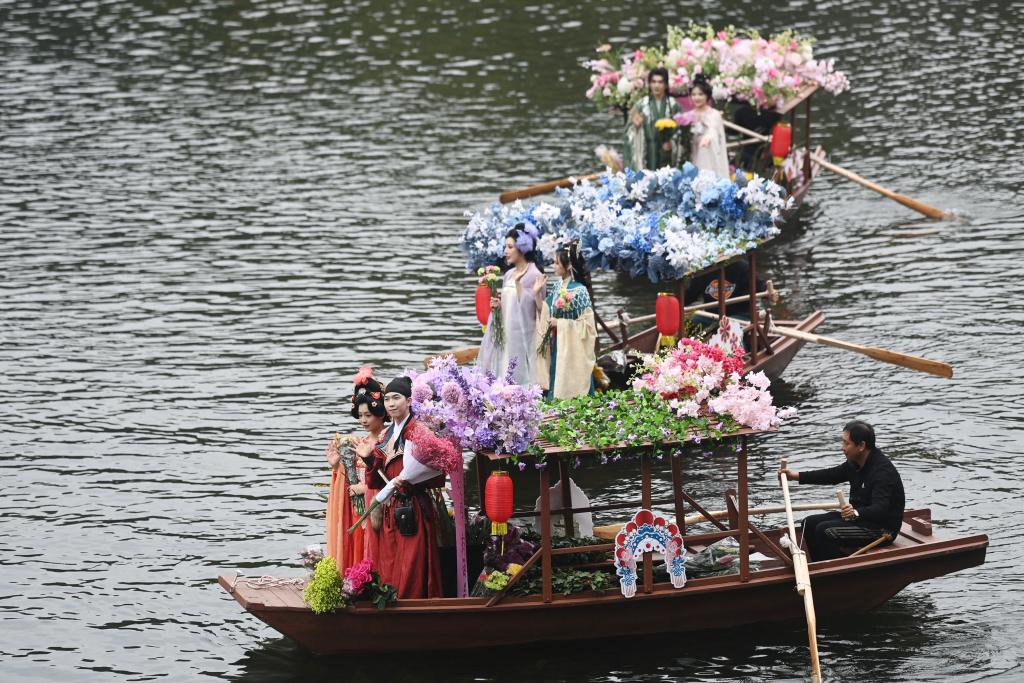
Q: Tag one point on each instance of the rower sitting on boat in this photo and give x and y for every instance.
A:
(737, 283)
(876, 500)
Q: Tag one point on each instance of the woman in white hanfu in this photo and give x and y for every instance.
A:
(517, 306)
(708, 152)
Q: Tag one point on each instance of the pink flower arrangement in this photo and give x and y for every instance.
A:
(357, 578)
(740, 64)
(695, 377)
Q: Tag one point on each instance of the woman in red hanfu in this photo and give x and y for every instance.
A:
(347, 498)
(407, 466)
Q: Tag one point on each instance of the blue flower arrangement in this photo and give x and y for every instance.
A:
(660, 224)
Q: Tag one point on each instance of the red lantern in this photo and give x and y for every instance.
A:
(483, 304)
(782, 142)
(498, 501)
(666, 315)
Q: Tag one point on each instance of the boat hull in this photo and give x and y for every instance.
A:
(843, 586)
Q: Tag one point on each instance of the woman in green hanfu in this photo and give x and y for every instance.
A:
(647, 147)
(566, 333)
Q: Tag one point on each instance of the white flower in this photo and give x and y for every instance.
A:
(625, 86)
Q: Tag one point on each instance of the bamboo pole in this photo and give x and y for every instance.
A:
(803, 577)
(543, 188)
(906, 201)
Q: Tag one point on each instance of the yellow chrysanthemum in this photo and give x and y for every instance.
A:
(664, 124)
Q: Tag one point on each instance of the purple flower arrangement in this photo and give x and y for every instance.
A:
(474, 408)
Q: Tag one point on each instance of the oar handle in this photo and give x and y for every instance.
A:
(543, 188)
(841, 497)
(906, 201)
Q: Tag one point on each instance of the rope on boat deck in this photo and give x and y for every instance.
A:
(262, 582)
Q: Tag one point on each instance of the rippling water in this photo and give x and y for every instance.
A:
(212, 213)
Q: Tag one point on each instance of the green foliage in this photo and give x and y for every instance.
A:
(619, 421)
(382, 594)
(496, 580)
(581, 542)
(323, 594)
(565, 581)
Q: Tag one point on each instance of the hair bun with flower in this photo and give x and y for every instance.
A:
(365, 373)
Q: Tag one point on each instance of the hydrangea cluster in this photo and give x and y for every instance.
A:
(738, 64)
(477, 410)
(694, 374)
(483, 241)
(660, 224)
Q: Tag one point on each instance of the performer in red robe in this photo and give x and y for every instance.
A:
(408, 556)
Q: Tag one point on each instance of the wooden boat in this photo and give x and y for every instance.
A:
(841, 586)
(796, 174)
(767, 351)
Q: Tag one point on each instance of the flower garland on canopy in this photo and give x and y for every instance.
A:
(663, 224)
(738, 64)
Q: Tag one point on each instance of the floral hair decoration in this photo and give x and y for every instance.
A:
(526, 240)
(366, 384)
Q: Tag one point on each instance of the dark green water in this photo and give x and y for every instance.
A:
(212, 213)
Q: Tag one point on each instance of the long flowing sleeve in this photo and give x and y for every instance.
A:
(714, 157)
(574, 370)
(542, 368)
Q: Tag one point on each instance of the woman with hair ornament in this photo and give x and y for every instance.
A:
(347, 498)
(566, 332)
(518, 307)
(708, 147)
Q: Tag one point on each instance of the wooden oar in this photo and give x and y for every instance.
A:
(906, 201)
(905, 360)
(543, 188)
(803, 577)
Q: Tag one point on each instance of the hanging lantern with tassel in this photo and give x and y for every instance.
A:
(782, 142)
(498, 501)
(483, 305)
(666, 315)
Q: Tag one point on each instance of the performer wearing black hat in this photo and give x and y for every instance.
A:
(408, 556)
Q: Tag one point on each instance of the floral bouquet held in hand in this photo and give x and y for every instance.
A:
(564, 298)
(665, 131)
(490, 276)
(346, 450)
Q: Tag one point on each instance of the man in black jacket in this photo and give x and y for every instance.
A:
(876, 499)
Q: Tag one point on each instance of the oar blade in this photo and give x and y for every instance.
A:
(932, 367)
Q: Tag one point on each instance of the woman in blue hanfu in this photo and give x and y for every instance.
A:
(513, 343)
(566, 333)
